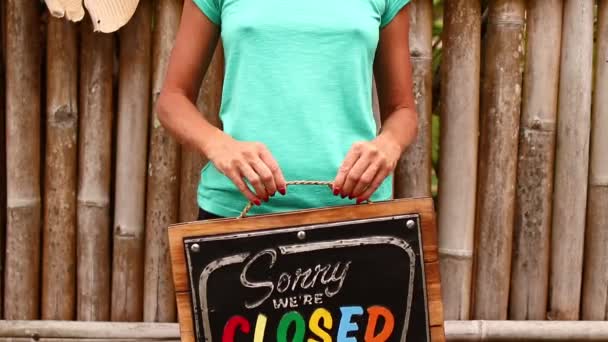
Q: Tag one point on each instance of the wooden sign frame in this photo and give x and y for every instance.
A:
(420, 206)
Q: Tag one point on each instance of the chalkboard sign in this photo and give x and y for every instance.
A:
(356, 273)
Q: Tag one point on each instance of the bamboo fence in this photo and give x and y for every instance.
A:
(460, 75)
(413, 173)
(163, 179)
(93, 179)
(531, 241)
(499, 125)
(131, 164)
(571, 160)
(595, 290)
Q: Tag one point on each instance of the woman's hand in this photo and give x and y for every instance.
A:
(247, 160)
(366, 165)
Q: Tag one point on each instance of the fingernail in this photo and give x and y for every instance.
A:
(350, 197)
(343, 195)
(282, 191)
(266, 199)
(359, 200)
(336, 191)
(257, 202)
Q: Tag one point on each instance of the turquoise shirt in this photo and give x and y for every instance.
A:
(298, 78)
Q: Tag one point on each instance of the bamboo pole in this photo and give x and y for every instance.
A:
(131, 163)
(500, 108)
(22, 280)
(460, 70)
(2, 154)
(595, 285)
(163, 179)
(208, 103)
(95, 152)
(530, 278)
(60, 177)
(413, 172)
(571, 160)
(464, 331)
(456, 331)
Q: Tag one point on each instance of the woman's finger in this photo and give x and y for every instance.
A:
(237, 179)
(279, 179)
(255, 180)
(349, 161)
(366, 179)
(378, 179)
(354, 175)
(267, 177)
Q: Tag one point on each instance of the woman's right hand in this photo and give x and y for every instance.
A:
(250, 161)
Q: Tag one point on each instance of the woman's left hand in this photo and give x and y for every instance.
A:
(366, 165)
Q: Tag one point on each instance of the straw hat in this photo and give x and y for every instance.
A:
(107, 15)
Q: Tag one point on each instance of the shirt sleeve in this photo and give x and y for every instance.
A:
(211, 8)
(392, 8)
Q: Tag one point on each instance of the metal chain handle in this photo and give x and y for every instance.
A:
(297, 182)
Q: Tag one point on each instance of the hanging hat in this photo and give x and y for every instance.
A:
(107, 15)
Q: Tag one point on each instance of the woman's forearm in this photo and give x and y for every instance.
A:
(400, 127)
(178, 114)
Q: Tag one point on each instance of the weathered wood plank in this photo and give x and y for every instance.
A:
(460, 73)
(163, 178)
(95, 169)
(500, 108)
(23, 70)
(131, 165)
(413, 172)
(60, 177)
(530, 278)
(571, 160)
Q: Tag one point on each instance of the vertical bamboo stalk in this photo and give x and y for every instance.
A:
(95, 152)
(23, 161)
(2, 154)
(460, 70)
(500, 108)
(413, 172)
(571, 160)
(131, 159)
(208, 103)
(59, 233)
(530, 278)
(163, 179)
(595, 285)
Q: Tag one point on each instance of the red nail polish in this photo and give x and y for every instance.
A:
(336, 191)
(282, 191)
(257, 202)
(266, 199)
(359, 200)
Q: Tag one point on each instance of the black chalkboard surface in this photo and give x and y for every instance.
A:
(361, 278)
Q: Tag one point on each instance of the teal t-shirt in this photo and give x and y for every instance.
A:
(298, 78)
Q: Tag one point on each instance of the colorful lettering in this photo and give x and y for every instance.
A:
(376, 312)
(320, 317)
(346, 325)
(260, 327)
(292, 317)
(231, 326)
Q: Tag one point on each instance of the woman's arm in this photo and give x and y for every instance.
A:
(194, 46)
(368, 163)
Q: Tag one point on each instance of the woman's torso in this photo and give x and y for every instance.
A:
(298, 79)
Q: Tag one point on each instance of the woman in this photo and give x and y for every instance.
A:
(296, 101)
